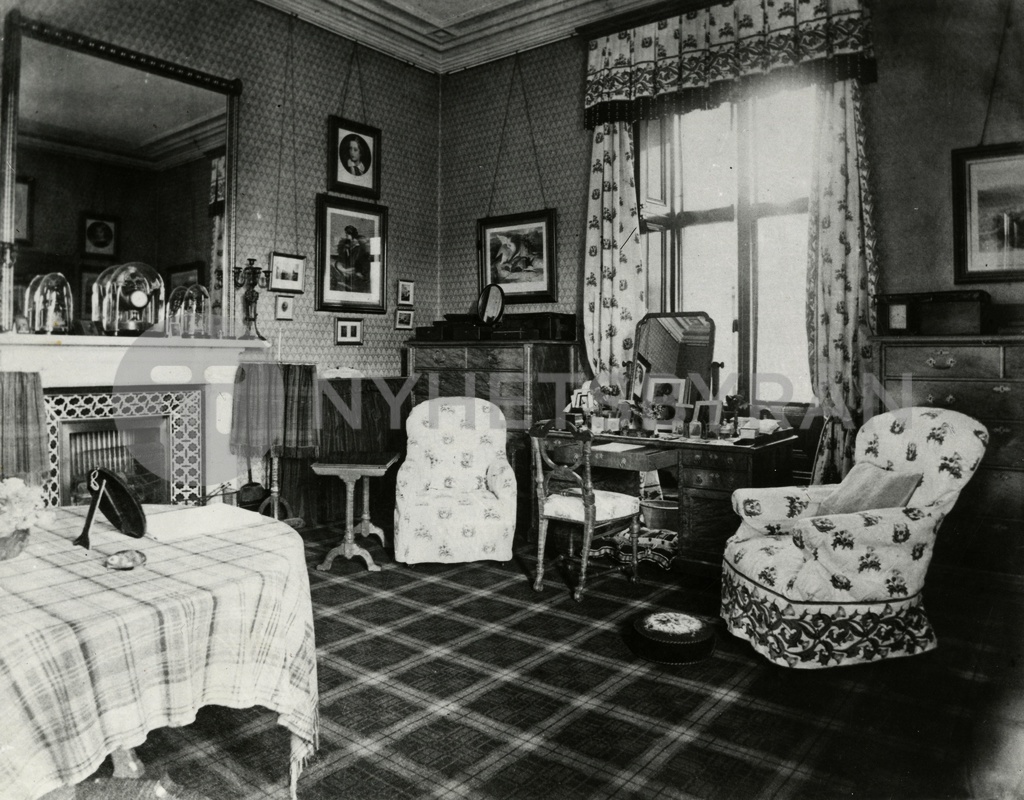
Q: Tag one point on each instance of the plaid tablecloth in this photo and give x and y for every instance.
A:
(91, 659)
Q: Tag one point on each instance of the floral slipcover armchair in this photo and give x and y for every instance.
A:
(456, 493)
(813, 591)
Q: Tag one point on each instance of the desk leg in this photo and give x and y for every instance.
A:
(348, 548)
(367, 528)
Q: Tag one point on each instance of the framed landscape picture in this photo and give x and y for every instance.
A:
(353, 158)
(351, 255)
(403, 319)
(406, 292)
(988, 213)
(517, 252)
(287, 273)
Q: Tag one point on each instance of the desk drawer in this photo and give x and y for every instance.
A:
(942, 362)
(427, 358)
(712, 479)
(497, 358)
(711, 459)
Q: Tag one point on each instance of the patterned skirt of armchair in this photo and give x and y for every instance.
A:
(811, 589)
(456, 492)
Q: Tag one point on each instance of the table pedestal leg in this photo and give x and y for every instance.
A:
(367, 528)
(348, 548)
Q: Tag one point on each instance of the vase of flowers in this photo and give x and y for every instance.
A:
(21, 507)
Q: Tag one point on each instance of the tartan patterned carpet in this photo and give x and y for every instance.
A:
(460, 682)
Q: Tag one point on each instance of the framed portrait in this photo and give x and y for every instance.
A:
(988, 213)
(99, 235)
(24, 210)
(403, 319)
(348, 331)
(353, 158)
(517, 252)
(287, 273)
(406, 292)
(284, 307)
(351, 255)
(641, 367)
(184, 275)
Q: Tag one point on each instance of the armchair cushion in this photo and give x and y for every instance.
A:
(868, 486)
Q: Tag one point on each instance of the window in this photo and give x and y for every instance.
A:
(724, 197)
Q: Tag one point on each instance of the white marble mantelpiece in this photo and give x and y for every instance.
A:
(121, 361)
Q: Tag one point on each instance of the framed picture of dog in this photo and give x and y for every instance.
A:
(517, 252)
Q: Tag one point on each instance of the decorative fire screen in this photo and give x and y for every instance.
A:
(182, 410)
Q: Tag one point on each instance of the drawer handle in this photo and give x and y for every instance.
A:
(949, 363)
(949, 399)
(1001, 389)
(1001, 431)
(439, 356)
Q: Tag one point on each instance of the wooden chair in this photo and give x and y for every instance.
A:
(565, 493)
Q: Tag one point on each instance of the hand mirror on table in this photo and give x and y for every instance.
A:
(118, 503)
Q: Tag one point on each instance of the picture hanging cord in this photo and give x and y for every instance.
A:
(995, 70)
(504, 126)
(289, 81)
(353, 60)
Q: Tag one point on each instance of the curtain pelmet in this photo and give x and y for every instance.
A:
(704, 58)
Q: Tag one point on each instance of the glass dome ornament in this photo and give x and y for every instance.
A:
(175, 311)
(197, 315)
(51, 309)
(28, 306)
(131, 298)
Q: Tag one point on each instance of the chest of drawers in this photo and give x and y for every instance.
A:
(527, 380)
(983, 377)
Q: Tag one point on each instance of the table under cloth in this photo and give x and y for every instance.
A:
(91, 658)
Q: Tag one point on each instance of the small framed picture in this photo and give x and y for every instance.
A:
(641, 366)
(348, 331)
(284, 307)
(406, 292)
(24, 191)
(100, 234)
(353, 158)
(403, 319)
(287, 273)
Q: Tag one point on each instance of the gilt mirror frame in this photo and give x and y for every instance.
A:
(17, 26)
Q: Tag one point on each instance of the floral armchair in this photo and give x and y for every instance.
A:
(811, 590)
(456, 493)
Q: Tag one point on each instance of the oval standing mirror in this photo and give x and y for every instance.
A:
(675, 346)
(112, 156)
(490, 305)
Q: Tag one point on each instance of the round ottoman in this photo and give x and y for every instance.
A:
(671, 637)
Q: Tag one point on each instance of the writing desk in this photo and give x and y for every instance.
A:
(92, 659)
(707, 472)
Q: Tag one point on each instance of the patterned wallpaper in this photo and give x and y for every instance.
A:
(451, 125)
(476, 183)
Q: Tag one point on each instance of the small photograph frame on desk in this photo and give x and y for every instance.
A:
(641, 367)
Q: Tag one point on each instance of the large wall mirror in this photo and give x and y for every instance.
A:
(112, 156)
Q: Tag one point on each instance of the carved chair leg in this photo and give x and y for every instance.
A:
(634, 536)
(542, 535)
(588, 536)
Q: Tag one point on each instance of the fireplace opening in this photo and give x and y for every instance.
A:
(136, 448)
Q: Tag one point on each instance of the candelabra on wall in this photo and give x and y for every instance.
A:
(249, 277)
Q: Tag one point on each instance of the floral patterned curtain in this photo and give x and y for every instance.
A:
(614, 280)
(700, 59)
(842, 275)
